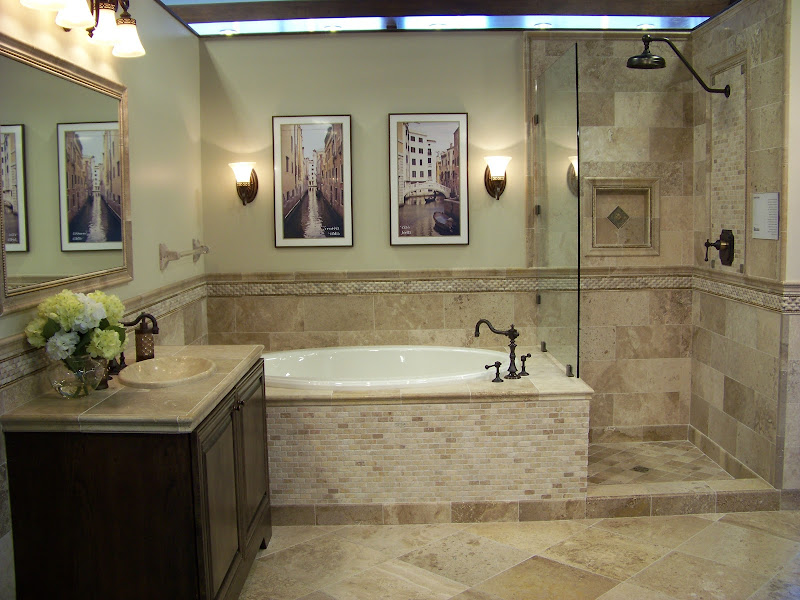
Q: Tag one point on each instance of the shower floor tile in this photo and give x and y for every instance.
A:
(649, 462)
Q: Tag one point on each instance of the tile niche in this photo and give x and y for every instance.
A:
(624, 217)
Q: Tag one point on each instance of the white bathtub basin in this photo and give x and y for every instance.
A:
(378, 367)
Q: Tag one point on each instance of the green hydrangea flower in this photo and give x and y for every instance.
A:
(114, 307)
(64, 308)
(105, 343)
(34, 330)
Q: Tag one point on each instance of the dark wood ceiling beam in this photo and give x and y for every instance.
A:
(321, 9)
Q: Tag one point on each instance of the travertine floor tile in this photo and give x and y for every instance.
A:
(466, 558)
(778, 588)
(531, 536)
(664, 531)
(606, 553)
(741, 547)
(285, 537)
(686, 577)
(542, 579)
(734, 556)
(320, 562)
(395, 580)
(628, 591)
(784, 524)
(395, 540)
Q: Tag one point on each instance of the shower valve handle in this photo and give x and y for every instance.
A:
(497, 378)
(724, 245)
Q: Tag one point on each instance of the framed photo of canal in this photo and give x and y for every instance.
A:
(313, 181)
(90, 186)
(12, 166)
(428, 179)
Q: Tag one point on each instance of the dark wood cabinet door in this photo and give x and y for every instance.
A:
(254, 449)
(222, 552)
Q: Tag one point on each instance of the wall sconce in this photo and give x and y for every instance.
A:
(99, 19)
(572, 175)
(246, 181)
(495, 175)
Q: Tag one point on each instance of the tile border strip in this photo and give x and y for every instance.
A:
(590, 507)
(17, 360)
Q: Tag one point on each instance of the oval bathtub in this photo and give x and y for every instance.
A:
(377, 367)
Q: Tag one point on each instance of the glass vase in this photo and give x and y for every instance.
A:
(76, 376)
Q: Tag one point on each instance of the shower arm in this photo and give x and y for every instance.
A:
(647, 38)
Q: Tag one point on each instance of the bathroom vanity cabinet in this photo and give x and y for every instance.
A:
(110, 501)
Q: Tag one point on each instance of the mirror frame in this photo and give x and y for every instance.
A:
(28, 296)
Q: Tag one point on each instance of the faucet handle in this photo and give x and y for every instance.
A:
(523, 358)
(496, 365)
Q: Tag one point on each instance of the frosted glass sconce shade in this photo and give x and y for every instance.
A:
(44, 4)
(128, 45)
(246, 181)
(572, 175)
(495, 175)
(75, 15)
(106, 33)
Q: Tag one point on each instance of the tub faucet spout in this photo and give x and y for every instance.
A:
(512, 334)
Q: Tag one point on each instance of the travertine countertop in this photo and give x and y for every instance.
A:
(546, 381)
(121, 409)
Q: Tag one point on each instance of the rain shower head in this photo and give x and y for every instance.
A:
(647, 60)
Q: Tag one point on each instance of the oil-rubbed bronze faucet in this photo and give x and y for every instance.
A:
(512, 334)
(145, 345)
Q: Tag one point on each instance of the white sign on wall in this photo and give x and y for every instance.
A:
(766, 211)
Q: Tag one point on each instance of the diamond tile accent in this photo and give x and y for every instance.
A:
(618, 217)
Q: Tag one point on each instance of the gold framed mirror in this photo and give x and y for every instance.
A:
(65, 178)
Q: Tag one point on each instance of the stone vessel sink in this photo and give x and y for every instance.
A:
(166, 371)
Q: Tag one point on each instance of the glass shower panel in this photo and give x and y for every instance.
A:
(557, 200)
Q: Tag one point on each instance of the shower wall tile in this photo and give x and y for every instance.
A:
(384, 337)
(464, 310)
(195, 319)
(338, 313)
(670, 307)
(221, 315)
(650, 409)
(712, 313)
(736, 348)
(598, 343)
(613, 308)
(302, 339)
(411, 311)
(766, 82)
(237, 338)
(596, 108)
(767, 126)
(708, 384)
(526, 310)
(651, 109)
(614, 144)
(671, 143)
(267, 314)
(170, 330)
(653, 341)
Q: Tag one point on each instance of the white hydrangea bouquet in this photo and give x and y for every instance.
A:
(73, 327)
